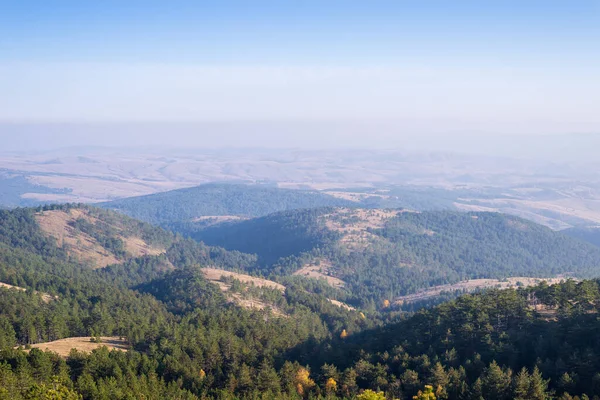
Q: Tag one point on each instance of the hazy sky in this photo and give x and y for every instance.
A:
(516, 67)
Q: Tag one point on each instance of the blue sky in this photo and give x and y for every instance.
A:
(297, 32)
(521, 67)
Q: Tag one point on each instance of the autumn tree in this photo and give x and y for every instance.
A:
(331, 386)
(371, 395)
(425, 394)
(303, 382)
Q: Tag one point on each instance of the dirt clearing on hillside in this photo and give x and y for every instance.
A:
(243, 299)
(475, 284)
(320, 271)
(46, 298)
(84, 247)
(63, 346)
(214, 274)
(355, 196)
(354, 225)
(340, 304)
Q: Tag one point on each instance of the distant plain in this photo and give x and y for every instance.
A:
(559, 195)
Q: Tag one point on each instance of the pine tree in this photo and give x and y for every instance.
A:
(521, 385)
(267, 380)
(496, 383)
(538, 387)
(439, 380)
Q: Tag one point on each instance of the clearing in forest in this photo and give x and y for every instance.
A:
(211, 220)
(214, 275)
(84, 247)
(46, 298)
(475, 284)
(63, 346)
(242, 299)
(354, 224)
(320, 271)
(340, 304)
(355, 196)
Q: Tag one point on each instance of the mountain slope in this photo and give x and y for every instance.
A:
(478, 345)
(187, 338)
(382, 254)
(187, 205)
(184, 338)
(588, 234)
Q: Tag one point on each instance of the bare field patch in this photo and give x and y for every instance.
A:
(254, 304)
(212, 220)
(55, 223)
(355, 196)
(63, 346)
(214, 274)
(82, 246)
(538, 210)
(218, 218)
(354, 224)
(321, 271)
(138, 247)
(475, 284)
(7, 286)
(46, 298)
(340, 304)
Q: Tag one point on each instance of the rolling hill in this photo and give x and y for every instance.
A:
(588, 234)
(79, 280)
(383, 254)
(195, 324)
(188, 206)
(536, 343)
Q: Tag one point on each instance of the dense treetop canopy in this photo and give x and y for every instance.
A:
(188, 339)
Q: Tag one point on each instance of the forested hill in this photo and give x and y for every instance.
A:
(588, 234)
(219, 200)
(92, 277)
(383, 254)
(536, 343)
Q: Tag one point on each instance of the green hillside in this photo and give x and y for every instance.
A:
(385, 254)
(185, 339)
(185, 205)
(588, 234)
(189, 338)
(537, 343)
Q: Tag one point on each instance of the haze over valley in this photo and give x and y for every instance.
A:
(311, 200)
(558, 194)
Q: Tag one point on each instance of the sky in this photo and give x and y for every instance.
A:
(384, 70)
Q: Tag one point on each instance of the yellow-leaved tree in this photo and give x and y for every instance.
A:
(371, 395)
(303, 381)
(331, 385)
(425, 394)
